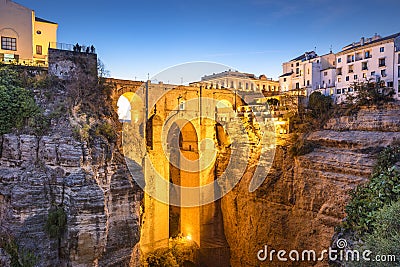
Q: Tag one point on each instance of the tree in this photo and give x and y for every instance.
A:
(17, 104)
(319, 104)
(369, 93)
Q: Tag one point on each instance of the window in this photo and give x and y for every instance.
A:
(182, 105)
(367, 54)
(308, 81)
(297, 85)
(344, 90)
(297, 70)
(389, 84)
(383, 73)
(381, 49)
(355, 77)
(247, 86)
(372, 73)
(269, 87)
(339, 60)
(240, 85)
(350, 90)
(232, 86)
(351, 69)
(284, 79)
(8, 43)
(364, 75)
(325, 73)
(382, 62)
(38, 49)
(308, 70)
(398, 71)
(264, 87)
(339, 71)
(297, 64)
(347, 78)
(338, 91)
(364, 66)
(292, 65)
(350, 58)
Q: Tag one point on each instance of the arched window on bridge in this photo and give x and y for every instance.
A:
(124, 109)
(153, 131)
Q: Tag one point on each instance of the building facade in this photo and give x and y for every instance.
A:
(240, 81)
(374, 59)
(308, 73)
(25, 39)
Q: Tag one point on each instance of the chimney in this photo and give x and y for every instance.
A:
(362, 41)
(376, 37)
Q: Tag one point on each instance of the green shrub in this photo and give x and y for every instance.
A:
(19, 257)
(56, 222)
(17, 104)
(382, 189)
(385, 238)
(106, 130)
(180, 249)
(320, 105)
(161, 258)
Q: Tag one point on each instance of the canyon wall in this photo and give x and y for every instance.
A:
(304, 197)
(76, 166)
(92, 184)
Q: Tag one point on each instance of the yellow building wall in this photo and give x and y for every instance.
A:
(44, 33)
(16, 21)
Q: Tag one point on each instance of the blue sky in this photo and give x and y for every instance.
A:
(134, 38)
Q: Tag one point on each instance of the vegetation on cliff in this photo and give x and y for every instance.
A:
(372, 213)
(180, 251)
(17, 104)
(382, 189)
(19, 257)
(56, 222)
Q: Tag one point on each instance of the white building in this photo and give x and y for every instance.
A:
(240, 81)
(308, 73)
(24, 38)
(373, 59)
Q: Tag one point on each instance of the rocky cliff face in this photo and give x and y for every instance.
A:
(86, 175)
(303, 198)
(92, 184)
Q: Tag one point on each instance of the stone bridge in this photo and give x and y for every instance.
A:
(184, 132)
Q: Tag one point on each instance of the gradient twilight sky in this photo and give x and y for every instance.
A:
(134, 38)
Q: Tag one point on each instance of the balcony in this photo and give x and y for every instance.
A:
(71, 47)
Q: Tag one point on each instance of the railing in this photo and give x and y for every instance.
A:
(70, 47)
